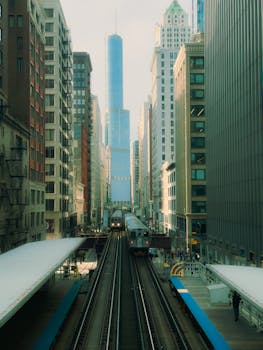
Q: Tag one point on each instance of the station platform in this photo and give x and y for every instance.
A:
(239, 335)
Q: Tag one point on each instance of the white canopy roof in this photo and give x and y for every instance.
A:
(25, 269)
(247, 281)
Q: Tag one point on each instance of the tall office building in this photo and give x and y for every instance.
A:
(233, 65)
(14, 158)
(135, 196)
(22, 126)
(170, 36)
(144, 138)
(190, 144)
(198, 16)
(97, 170)
(82, 121)
(58, 113)
(117, 126)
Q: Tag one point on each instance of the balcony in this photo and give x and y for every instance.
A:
(17, 197)
(16, 168)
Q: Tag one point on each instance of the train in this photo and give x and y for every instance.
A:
(117, 221)
(138, 235)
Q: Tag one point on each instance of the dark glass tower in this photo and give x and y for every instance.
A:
(117, 126)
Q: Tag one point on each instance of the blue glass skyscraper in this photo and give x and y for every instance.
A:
(200, 16)
(117, 126)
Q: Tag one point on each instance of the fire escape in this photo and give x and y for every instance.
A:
(67, 186)
(16, 190)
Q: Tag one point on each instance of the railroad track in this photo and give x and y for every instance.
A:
(95, 326)
(163, 329)
(126, 306)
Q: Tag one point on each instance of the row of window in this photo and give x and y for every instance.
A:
(197, 191)
(78, 66)
(50, 187)
(15, 21)
(37, 219)
(63, 205)
(37, 197)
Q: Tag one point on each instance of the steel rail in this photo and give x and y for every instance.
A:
(117, 344)
(143, 303)
(81, 328)
(113, 293)
(179, 334)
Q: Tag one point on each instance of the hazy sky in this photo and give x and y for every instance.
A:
(91, 21)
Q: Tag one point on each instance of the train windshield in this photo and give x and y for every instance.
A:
(133, 235)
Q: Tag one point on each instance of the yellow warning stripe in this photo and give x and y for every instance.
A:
(182, 290)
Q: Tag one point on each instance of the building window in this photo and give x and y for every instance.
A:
(197, 94)
(49, 27)
(33, 192)
(197, 142)
(198, 158)
(11, 21)
(49, 69)
(50, 152)
(49, 170)
(50, 41)
(197, 62)
(32, 219)
(198, 126)
(1, 10)
(19, 42)
(197, 111)
(49, 83)
(20, 64)
(49, 117)
(197, 78)
(19, 21)
(198, 207)
(1, 57)
(38, 197)
(198, 190)
(50, 187)
(49, 13)
(49, 134)
(50, 204)
(49, 55)
(198, 174)
(198, 226)
(49, 100)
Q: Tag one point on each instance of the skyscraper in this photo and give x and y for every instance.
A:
(198, 16)
(22, 76)
(233, 66)
(170, 35)
(82, 103)
(58, 114)
(117, 126)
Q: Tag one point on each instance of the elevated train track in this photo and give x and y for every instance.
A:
(126, 307)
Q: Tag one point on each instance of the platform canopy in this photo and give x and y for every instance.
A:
(247, 281)
(25, 269)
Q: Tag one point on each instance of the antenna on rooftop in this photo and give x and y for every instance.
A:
(116, 22)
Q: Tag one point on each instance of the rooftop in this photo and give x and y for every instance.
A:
(25, 269)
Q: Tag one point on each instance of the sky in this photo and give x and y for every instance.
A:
(91, 21)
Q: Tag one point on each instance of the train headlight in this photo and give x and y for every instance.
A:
(118, 224)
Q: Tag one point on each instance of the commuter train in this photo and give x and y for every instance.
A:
(138, 235)
(116, 221)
